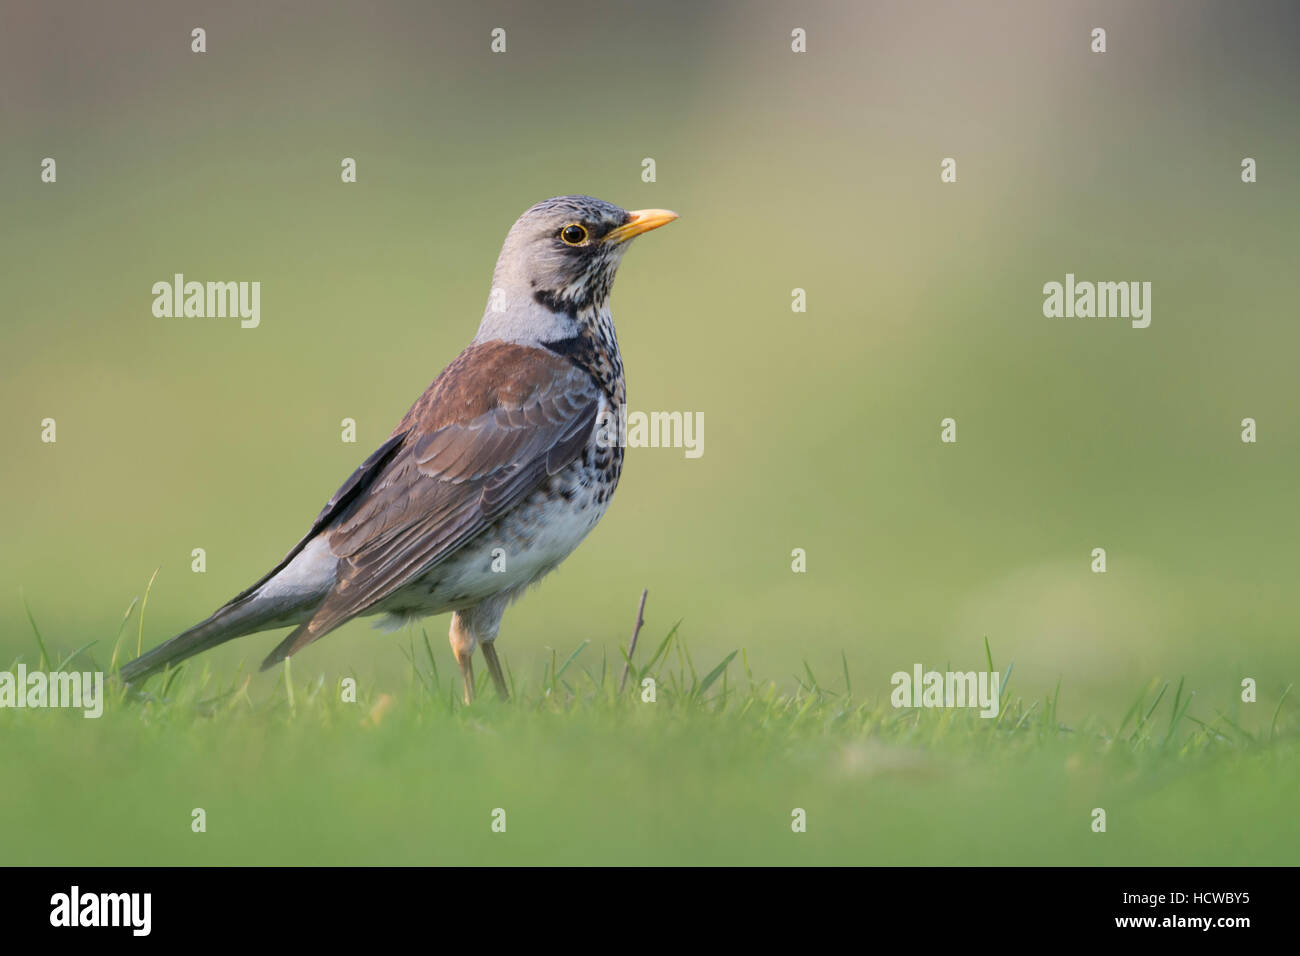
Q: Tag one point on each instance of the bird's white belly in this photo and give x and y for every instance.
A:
(521, 547)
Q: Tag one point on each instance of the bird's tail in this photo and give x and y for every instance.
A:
(244, 615)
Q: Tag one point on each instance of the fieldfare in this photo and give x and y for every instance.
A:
(492, 478)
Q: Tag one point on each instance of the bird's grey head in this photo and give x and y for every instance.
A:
(557, 266)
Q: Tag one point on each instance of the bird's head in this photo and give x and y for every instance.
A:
(559, 258)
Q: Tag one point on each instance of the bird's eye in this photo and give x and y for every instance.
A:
(574, 234)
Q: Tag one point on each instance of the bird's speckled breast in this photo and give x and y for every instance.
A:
(543, 529)
(524, 544)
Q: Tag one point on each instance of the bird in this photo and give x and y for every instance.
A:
(491, 479)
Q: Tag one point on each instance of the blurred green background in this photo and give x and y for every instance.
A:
(818, 171)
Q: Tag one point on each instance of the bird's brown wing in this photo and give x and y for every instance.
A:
(348, 492)
(489, 430)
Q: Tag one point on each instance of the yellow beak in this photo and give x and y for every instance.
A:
(643, 220)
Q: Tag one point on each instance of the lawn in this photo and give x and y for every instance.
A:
(295, 768)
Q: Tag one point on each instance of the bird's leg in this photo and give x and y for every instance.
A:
(494, 666)
(462, 645)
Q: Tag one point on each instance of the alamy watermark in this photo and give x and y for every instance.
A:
(214, 300)
(75, 908)
(38, 689)
(923, 688)
(624, 429)
(1101, 300)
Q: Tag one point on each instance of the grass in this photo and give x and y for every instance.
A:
(292, 769)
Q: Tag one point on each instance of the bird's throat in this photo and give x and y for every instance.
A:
(594, 349)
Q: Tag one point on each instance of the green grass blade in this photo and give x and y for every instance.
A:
(572, 657)
(139, 639)
(45, 657)
(1272, 727)
(714, 674)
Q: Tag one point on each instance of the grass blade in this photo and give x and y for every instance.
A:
(713, 675)
(139, 639)
(1272, 727)
(35, 630)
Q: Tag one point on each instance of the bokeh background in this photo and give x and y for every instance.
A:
(818, 171)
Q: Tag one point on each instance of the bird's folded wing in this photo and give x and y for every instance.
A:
(348, 492)
(494, 425)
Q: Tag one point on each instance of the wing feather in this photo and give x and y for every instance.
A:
(489, 431)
